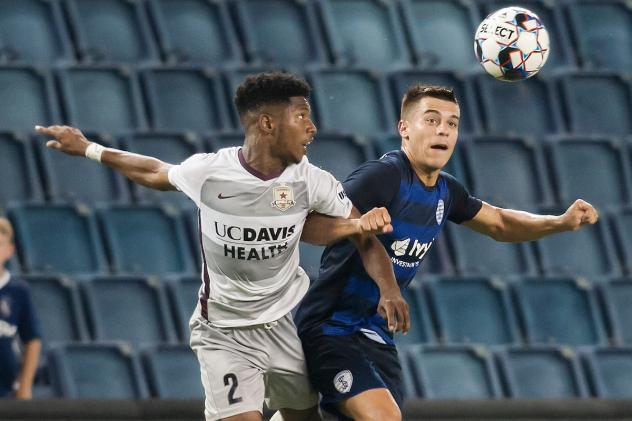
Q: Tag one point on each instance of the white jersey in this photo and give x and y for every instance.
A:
(250, 230)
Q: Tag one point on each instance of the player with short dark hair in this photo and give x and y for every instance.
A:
(253, 204)
(351, 356)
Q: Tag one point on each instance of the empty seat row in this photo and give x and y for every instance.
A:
(365, 33)
(462, 372)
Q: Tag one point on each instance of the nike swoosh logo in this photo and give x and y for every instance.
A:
(221, 196)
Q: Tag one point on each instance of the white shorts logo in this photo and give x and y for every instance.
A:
(439, 213)
(343, 381)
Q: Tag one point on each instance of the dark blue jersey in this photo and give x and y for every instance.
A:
(17, 318)
(344, 299)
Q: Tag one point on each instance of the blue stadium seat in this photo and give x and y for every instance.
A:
(559, 311)
(195, 32)
(310, 259)
(469, 121)
(541, 373)
(508, 171)
(518, 109)
(111, 31)
(597, 103)
(18, 165)
(340, 155)
(456, 372)
(168, 147)
(610, 372)
(426, 22)
(587, 252)
(268, 24)
(183, 293)
(128, 309)
(477, 254)
(617, 301)
(97, 184)
(146, 240)
(59, 310)
(47, 41)
(102, 99)
(97, 371)
(473, 311)
(622, 224)
(185, 99)
(190, 215)
(57, 240)
(591, 169)
(603, 33)
(173, 372)
(351, 102)
(27, 98)
(561, 54)
(364, 33)
(421, 331)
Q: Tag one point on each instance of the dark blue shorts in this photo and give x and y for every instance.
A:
(341, 367)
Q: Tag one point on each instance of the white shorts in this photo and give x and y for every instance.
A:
(243, 367)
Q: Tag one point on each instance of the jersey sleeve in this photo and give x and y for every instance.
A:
(373, 184)
(326, 194)
(189, 175)
(463, 206)
(28, 325)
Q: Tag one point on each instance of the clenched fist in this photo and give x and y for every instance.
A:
(67, 139)
(579, 214)
(376, 221)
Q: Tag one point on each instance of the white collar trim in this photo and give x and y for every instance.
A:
(5, 279)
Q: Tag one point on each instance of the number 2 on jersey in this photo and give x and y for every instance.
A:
(231, 380)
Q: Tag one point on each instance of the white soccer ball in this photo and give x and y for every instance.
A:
(512, 44)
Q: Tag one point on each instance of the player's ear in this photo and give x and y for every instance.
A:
(402, 127)
(266, 123)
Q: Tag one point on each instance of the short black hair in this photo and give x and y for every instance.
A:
(417, 92)
(268, 88)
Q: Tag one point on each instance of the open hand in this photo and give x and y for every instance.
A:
(394, 309)
(66, 139)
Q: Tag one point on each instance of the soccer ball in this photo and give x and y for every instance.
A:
(512, 44)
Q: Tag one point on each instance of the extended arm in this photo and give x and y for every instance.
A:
(144, 170)
(29, 365)
(323, 230)
(509, 225)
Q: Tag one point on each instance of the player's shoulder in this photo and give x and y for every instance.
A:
(450, 180)
(390, 167)
(17, 286)
(202, 160)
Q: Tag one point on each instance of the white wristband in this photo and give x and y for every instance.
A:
(94, 151)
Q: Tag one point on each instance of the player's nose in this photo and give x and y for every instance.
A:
(311, 128)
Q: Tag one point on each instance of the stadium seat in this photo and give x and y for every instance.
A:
(351, 102)
(128, 309)
(622, 224)
(421, 331)
(508, 171)
(477, 254)
(469, 121)
(111, 31)
(27, 99)
(597, 103)
(96, 371)
(146, 240)
(168, 147)
(267, 25)
(173, 372)
(541, 373)
(590, 169)
(47, 41)
(102, 99)
(185, 99)
(310, 259)
(456, 372)
(195, 32)
(57, 240)
(587, 252)
(609, 371)
(18, 165)
(533, 102)
(340, 155)
(617, 301)
(183, 293)
(426, 22)
(97, 184)
(473, 311)
(364, 33)
(561, 54)
(603, 34)
(559, 311)
(59, 310)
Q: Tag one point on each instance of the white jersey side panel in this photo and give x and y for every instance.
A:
(250, 231)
